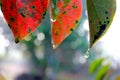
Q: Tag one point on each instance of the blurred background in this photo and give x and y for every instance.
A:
(35, 59)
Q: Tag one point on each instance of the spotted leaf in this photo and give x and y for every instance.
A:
(100, 15)
(23, 16)
(65, 15)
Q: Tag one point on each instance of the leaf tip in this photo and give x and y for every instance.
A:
(17, 40)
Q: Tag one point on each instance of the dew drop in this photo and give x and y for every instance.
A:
(86, 55)
(54, 46)
(52, 20)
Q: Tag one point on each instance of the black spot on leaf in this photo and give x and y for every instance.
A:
(106, 12)
(23, 15)
(44, 14)
(33, 7)
(96, 36)
(108, 22)
(56, 32)
(101, 30)
(104, 21)
(11, 7)
(71, 29)
(12, 19)
(22, 12)
(74, 6)
(64, 12)
(107, 18)
(43, 17)
(29, 30)
(102, 27)
(100, 22)
(9, 25)
(76, 21)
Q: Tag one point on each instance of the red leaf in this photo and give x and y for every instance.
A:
(23, 16)
(64, 19)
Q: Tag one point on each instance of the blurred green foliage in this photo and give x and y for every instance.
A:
(100, 69)
(95, 64)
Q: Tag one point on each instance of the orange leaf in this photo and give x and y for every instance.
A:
(64, 19)
(23, 16)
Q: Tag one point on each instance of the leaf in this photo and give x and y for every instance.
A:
(102, 72)
(100, 15)
(23, 16)
(93, 67)
(64, 19)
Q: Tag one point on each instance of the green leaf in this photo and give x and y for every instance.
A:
(100, 15)
(93, 67)
(102, 71)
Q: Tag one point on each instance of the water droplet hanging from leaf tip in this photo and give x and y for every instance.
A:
(54, 46)
(86, 55)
